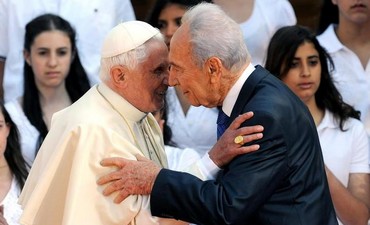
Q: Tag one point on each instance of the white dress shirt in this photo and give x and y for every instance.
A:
(344, 152)
(351, 79)
(92, 19)
(232, 95)
(267, 17)
(28, 134)
(12, 210)
(197, 129)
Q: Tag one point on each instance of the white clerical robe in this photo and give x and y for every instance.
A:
(61, 188)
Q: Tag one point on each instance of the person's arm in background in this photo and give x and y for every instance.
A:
(4, 43)
(2, 69)
(350, 203)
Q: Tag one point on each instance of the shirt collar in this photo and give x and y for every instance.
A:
(328, 121)
(120, 104)
(329, 37)
(232, 95)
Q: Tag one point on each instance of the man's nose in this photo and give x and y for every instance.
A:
(172, 81)
(165, 78)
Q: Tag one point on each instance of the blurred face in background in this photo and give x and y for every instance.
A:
(4, 132)
(50, 57)
(170, 19)
(355, 11)
(304, 75)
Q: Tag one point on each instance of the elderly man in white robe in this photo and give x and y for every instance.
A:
(113, 119)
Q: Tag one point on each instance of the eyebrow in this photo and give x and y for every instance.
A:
(313, 56)
(174, 64)
(176, 18)
(59, 48)
(162, 65)
(309, 57)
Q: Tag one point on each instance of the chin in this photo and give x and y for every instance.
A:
(195, 104)
(192, 102)
(157, 107)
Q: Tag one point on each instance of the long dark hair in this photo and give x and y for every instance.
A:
(280, 54)
(329, 14)
(76, 81)
(159, 5)
(13, 154)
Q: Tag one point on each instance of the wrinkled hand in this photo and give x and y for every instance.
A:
(131, 178)
(2, 219)
(225, 149)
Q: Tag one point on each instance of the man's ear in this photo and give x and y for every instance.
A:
(118, 74)
(213, 67)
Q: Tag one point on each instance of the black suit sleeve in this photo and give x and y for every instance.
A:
(241, 188)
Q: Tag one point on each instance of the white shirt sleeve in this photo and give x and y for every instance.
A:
(190, 161)
(3, 29)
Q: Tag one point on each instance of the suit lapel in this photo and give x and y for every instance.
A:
(247, 90)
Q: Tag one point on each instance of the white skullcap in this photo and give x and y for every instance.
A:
(127, 36)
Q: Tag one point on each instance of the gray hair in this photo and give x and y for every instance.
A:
(130, 59)
(213, 33)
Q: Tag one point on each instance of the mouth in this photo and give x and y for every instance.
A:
(162, 93)
(52, 73)
(358, 6)
(307, 85)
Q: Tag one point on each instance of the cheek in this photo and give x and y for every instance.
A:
(290, 81)
(317, 72)
(150, 89)
(37, 66)
(65, 63)
(3, 141)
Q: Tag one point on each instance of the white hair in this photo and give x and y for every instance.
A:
(213, 33)
(130, 59)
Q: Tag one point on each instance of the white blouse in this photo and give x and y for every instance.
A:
(28, 134)
(12, 210)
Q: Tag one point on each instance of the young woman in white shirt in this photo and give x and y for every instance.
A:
(296, 57)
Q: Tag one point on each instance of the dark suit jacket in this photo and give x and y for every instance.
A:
(284, 182)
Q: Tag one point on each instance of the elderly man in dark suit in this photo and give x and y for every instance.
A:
(284, 182)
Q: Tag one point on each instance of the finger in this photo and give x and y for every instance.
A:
(113, 186)
(250, 129)
(252, 137)
(109, 178)
(141, 158)
(122, 195)
(1, 209)
(241, 119)
(247, 149)
(114, 161)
